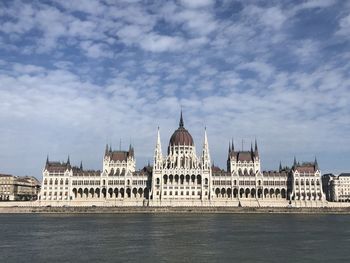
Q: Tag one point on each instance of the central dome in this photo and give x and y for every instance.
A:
(181, 136)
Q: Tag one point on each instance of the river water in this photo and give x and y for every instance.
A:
(174, 238)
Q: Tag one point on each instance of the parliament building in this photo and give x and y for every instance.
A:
(180, 177)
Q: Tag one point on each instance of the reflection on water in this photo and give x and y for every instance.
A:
(174, 238)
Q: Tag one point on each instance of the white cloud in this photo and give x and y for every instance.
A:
(159, 43)
(263, 69)
(344, 26)
(96, 50)
(197, 3)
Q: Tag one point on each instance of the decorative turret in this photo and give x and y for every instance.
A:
(158, 152)
(181, 123)
(229, 149)
(205, 154)
(131, 151)
(68, 163)
(316, 164)
(81, 165)
(280, 168)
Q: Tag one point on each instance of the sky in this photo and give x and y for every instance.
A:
(75, 75)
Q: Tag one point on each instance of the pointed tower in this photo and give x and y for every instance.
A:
(280, 168)
(131, 151)
(68, 163)
(229, 150)
(181, 123)
(316, 164)
(47, 162)
(294, 163)
(158, 153)
(81, 165)
(106, 150)
(205, 154)
(256, 152)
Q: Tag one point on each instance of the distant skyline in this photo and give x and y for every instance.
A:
(75, 75)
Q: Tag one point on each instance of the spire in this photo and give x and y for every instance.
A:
(131, 150)
(256, 146)
(233, 146)
(205, 137)
(158, 137)
(68, 160)
(251, 147)
(316, 164)
(106, 150)
(81, 165)
(110, 148)
(295, 162)
(158, 151)
(206, 155)
(229, 147)
(280, 168)
(181, 124)
(47, 161)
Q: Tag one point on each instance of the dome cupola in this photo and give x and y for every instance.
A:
(181, 136)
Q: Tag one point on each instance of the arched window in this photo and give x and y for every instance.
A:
(206, 180)
(50, 181)
(67, 182)
(45, 182)
(158, 181)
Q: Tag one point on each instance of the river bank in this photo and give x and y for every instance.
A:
(199, 210)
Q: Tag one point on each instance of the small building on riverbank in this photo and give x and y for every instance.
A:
(18, 188)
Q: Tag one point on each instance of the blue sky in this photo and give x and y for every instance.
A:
(75, 75)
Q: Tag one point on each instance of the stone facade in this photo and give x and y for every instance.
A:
(339, 188)
(306, 182)
(17, 188)
(182, 178)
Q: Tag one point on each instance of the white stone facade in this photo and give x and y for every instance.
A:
(340, 188)
(306, 182)
(181, 178)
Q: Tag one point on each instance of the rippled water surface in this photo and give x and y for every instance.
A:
(174, 238)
